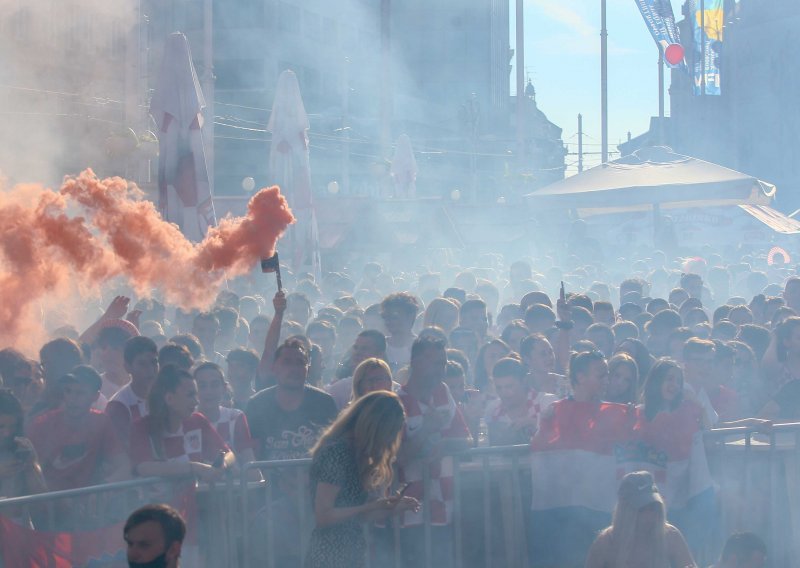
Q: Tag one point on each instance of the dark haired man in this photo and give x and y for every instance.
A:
(130, 402)
(286, 419)
(399, 312)
(108, 352)
(154, 535)
(434, 428)
(58, 357)
(473, 315)
(77, 445)
(242, 370)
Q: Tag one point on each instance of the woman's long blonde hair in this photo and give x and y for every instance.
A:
(374, 423)
(623, 534)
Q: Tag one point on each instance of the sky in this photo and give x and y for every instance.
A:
(562, 58)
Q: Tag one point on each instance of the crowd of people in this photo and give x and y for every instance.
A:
(379, 375)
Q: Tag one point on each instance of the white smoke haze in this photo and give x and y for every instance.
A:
(62, 85)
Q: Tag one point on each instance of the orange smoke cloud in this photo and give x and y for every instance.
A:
(44, 251)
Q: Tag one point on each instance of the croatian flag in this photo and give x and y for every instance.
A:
(575, 476)
(574, 459)
(670, 446)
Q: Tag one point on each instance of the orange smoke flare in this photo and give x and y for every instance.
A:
(44, 251)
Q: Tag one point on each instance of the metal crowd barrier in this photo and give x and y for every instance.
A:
(261, 502)
(245, 523)
(758, 479)
(496, 528)
(85, 508)
(88, 509)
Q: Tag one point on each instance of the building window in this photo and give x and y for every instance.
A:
(312, 25)
(239, 14)
(288, 18)
(330, 31)
(240, 74)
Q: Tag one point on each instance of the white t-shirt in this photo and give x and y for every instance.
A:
(341, 391)
(399, 357)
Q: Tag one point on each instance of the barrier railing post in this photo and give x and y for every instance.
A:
(457, 511)
(426, 514)
(233, 521)
(245, 552)
(773, 503)
(270, 526)
(518, 530)
(487, 512)
(303, 516)
(396, 546)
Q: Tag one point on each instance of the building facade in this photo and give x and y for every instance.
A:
(754, 125)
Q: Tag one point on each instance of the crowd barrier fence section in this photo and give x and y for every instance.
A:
(757, 477)
(85, 524)
(86, 508)
(247, 523)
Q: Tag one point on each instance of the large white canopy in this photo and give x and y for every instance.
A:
(648, 177)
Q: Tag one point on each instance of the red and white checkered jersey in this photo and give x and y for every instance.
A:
(196, 440)
(441, 469)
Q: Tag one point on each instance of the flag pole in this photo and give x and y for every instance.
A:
(519, 56)
(603, 83)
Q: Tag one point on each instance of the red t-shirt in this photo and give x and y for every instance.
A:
(726, 402)
(72, 454)
(196, 440)
(124, 408)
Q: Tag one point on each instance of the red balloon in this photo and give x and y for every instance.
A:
(674, 53)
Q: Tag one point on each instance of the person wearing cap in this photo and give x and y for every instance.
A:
(639, 534)
(76, 444)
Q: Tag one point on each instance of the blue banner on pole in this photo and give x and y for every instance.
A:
(708, 17)
(660, 20)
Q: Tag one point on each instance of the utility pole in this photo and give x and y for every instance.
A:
(346, 128)
(386, 78)
(603, 83)
(660, 132)
(580, 143)
(660, 81)
(520, 63)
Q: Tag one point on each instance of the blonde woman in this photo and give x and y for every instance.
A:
(352, 463)
(371, 375)
(639, 535)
